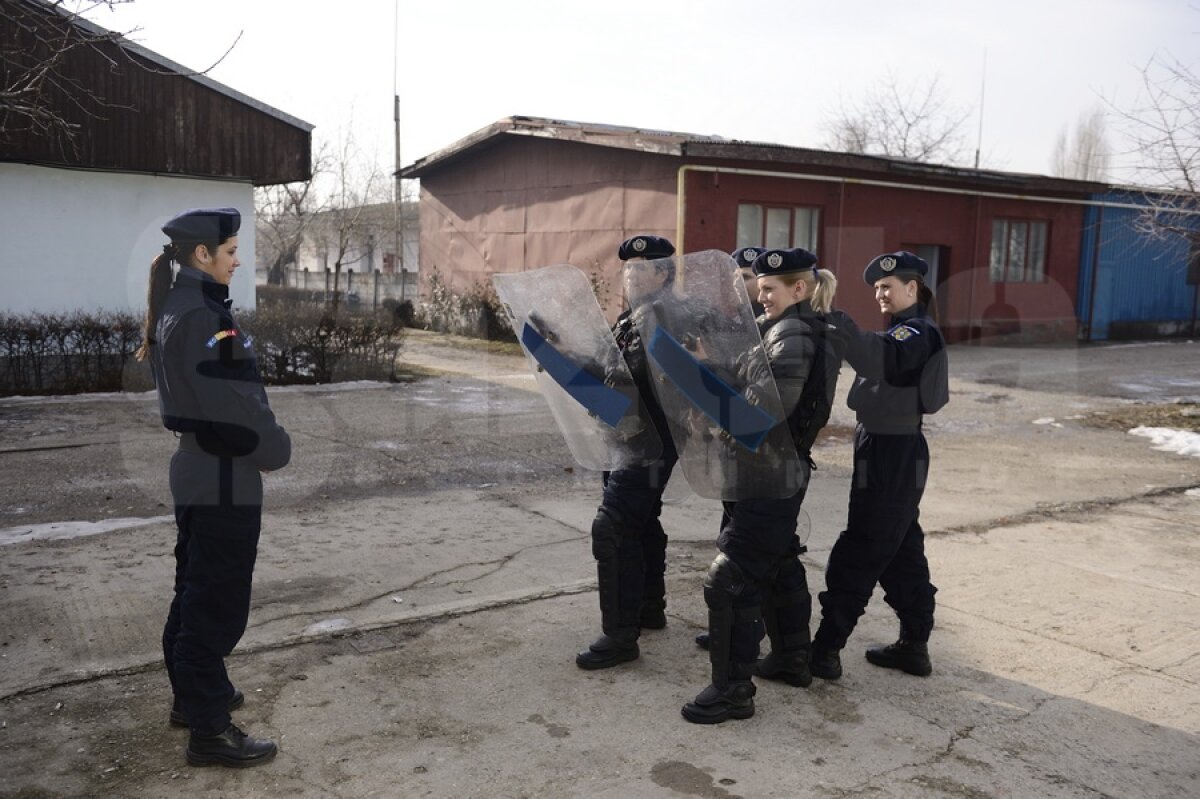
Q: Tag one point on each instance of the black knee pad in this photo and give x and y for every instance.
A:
(725, 579)
(606, 534)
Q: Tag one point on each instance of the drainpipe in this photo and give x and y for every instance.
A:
(680, 206)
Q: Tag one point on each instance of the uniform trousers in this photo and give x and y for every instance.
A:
(215, 552)
(883, 542)
(759, 535)
(634, 494)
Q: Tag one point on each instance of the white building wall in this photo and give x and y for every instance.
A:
(80, 240)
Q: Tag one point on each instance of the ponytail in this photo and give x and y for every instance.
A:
(926, 298)
(824, 290)
(156, 293)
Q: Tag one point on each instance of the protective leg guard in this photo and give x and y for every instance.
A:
(618, 644)
(731, 693)
(653, 614)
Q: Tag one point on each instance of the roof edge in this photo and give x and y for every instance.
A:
(182, 71)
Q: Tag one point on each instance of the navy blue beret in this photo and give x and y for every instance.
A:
(644, 246)
(895, 263)
(204, 225)
(745, 256)
(784, 262)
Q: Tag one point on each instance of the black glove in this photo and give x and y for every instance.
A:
(842, 325)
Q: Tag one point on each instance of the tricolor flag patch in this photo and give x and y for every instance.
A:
(220, 334)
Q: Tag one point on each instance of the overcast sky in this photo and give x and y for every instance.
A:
(762, 70)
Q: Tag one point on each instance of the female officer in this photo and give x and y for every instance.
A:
(211, 395)
(758, 574)
(628, 540)
(901, 375)
(744, 258)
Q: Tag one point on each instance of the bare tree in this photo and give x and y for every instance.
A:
(1086, 154)
(1164, 128)
(40, 91)
(36, 92)
(912, 121)
(355, 182)
(283, 216)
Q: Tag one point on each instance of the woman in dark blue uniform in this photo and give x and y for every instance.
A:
(628, 540)
(757, 579)
(902, 375)
(211, 395)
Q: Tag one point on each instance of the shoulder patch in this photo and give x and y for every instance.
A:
(219, 335)
(903, 332)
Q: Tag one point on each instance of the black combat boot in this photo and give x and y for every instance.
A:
(788, 659)
(791, 668)
(653, 615)
(702, 641)
(232, 748)
(178, 719)
(609, 650)
(825, 663)
(910, 657)
(718, 703)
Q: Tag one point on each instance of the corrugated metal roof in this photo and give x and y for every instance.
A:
(710, 148)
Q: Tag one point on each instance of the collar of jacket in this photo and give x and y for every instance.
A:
(191, 278)
(911, 312)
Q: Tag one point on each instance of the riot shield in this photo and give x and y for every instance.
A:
(578, 368)
(712, 379)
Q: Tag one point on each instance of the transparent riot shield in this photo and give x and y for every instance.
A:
(712, 378)
(578, 368)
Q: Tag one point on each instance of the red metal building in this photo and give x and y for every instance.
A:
(526, 193)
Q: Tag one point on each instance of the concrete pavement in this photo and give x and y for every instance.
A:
(425, 579)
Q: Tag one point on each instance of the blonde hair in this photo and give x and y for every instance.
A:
(820, 292)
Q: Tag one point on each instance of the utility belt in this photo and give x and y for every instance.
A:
(908, 424)
(188, 443)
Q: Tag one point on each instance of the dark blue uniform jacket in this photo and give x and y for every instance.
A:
(207, 377)
(902, 372)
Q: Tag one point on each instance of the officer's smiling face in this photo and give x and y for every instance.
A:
(895, 295)
(775, 296)
(220, 265)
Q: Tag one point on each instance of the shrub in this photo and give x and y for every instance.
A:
(296, 342)
(308, 343)
(69, 353)
(477, 313)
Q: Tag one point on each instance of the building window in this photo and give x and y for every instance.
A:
(777, 227)
(1018, 251)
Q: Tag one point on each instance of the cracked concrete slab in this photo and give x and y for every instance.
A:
(425, 579)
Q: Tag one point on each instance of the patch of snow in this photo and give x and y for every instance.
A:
(1165, 439)
(54, 531)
